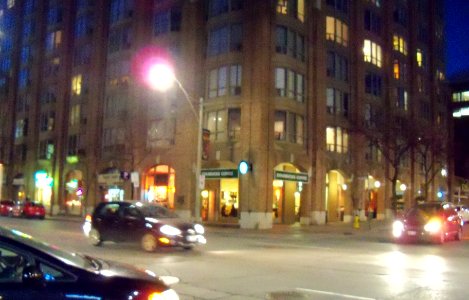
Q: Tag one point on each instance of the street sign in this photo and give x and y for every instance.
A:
(219, 173)
(290, 176)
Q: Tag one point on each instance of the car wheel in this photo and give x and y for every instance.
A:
(149, 242)
(94, 237)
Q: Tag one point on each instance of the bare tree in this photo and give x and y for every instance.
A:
(394, 135)
(430, 151)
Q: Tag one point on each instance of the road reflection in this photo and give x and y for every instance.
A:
(406, 271)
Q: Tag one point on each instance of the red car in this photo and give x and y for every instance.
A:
(34, 210)
(29, 210)
(5, 207)
(431, 221)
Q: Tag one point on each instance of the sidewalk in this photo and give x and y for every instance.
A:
(377, 229)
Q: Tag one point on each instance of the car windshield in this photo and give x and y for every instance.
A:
(69, 258)
(156, 211)
(425, 210)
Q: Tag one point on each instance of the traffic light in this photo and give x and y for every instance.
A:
(244, 167)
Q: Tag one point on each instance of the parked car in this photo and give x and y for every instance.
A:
(30, 269)
(430, 221)
(34, 210)
(149, 224)
(17, 209)
(6, 206)
(463, 212)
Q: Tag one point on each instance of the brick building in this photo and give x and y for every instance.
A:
(299, 89)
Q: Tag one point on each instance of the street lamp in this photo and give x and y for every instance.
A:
(161, 77)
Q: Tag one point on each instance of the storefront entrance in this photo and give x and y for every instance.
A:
(336, 189)
(43, 188)
(220, 198)
(159, 185)
(74, 192)
(287, 186)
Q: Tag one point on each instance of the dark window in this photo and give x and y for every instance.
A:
(372, 22)
(167, 21)
(337, 66)
(225, 39)
(373, 84)
(218, 7)
(340, 5)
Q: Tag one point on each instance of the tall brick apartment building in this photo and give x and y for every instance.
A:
(293, 87)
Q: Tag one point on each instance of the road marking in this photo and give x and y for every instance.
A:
(333, 294)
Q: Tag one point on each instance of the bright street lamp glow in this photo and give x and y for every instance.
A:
(160, 77)
(403, 187)
(444, 172)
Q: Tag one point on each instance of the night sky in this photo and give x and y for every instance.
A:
(457, 38)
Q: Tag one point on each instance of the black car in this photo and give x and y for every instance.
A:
(430, 221)
(30, 269)
(149, 224)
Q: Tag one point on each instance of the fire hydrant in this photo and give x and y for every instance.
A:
(356, 222)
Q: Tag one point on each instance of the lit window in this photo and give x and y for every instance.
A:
(76, 84)
(336, 31)
(419, 57)
(337, 139)
(282, 6)
(396, 69)
(399, 44)
(279, 125)
(294, 8)
(372, 53)
(216, 124)
(330, 138)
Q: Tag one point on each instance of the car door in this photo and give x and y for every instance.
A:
(106, 221)
(131, 223)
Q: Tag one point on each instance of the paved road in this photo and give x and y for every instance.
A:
(289, 262)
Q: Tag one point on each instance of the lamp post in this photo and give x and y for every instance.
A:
(161, 77)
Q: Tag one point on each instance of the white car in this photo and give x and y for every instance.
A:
(463, 212)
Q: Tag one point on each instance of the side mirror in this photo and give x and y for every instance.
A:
(33, 276)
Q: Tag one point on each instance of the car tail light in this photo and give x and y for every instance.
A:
(166, 295)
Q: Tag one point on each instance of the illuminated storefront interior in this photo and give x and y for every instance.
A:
(43, 191)
(160, 185)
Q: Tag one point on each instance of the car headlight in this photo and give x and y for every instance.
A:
(397, 228)
(199, 229)
(87, 228)
(433, 226)
(170, 230)
(166, 295)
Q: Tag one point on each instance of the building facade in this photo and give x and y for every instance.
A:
(460, 109)
(306, 92)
